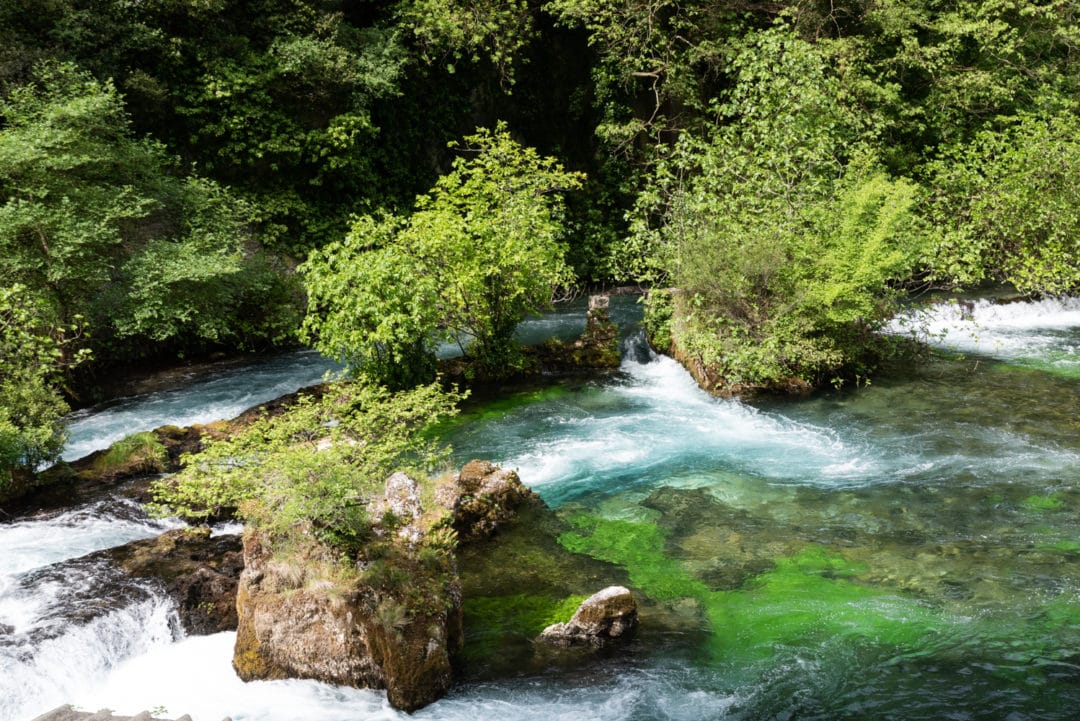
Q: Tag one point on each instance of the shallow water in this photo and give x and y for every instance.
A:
(908, 550)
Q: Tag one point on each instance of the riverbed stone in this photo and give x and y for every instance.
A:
(483, 498)
(199, 571)
(606, 615)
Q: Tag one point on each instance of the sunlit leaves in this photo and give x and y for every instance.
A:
(481, 251)
(1007, 207)
(315, 468)
(778, 229)
(33, 352)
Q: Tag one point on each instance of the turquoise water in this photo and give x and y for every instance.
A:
(908, 550)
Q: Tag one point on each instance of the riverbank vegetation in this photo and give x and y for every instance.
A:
(791, 171)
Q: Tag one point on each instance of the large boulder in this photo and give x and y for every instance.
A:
(606, 615)
(198, 570)
(482, 498)
(294, 625)
(299, 618)
(392, 621)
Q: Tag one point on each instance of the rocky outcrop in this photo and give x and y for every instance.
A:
(393, 621)
(294, 625)
(606, 615)
(68, 713)
(482, 498)
(199, 571)
(597, 348)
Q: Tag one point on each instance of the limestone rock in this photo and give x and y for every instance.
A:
(393, 626)
(355, 633)
(401, 500)
(482, 498)
(200, 572)
(288, 630)
(606, 615)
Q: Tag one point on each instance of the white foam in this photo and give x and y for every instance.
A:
(37, 677)
(1005, 330)
(657, 421)
(195, 676)
(33, 543)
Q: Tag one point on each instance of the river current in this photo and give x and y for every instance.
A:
(906, 550)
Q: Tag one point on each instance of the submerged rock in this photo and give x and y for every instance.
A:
(606, 615)
(69, 713)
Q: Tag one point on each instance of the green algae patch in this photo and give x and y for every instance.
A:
(637, 547)
(1043, 503)
(499, 630)
(517, 583)
(521, 614)
(1055, 362)
(804, 599)
(809, 599)
(1069, 547)
(489, 411)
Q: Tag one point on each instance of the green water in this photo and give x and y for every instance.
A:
(910, 550)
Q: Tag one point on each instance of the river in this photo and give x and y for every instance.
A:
(907, 550)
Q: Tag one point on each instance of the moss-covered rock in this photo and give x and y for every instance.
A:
(604, 616)
(482, 498)
(199, 571)
(390, 618)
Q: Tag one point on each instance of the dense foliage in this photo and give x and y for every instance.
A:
(33, 353)
(788, 167)
(316, 467)
(779, 229)
(98, 224)
(480, 252)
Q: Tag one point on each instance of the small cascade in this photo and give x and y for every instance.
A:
(1043, 334)
(636, 350)
(65, 620)
(71, 635)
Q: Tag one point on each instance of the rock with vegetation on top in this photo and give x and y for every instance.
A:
(199, 571)
(392, 619)
(606, 615)
(482, 498)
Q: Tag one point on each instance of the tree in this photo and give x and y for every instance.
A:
(779, 230)
(32, 355)
(99, 224)
(466, 28)
(481, 251)
(1006, 207)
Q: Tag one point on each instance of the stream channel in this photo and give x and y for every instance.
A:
(907, 550)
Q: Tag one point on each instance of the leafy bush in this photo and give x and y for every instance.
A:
(100, 224)
(1006, 207)
(33, 353)
(315, 467)
(481, 251)
(779, 229)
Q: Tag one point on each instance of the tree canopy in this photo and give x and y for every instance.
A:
(101, 225)
(482, 249)
(788, 167)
